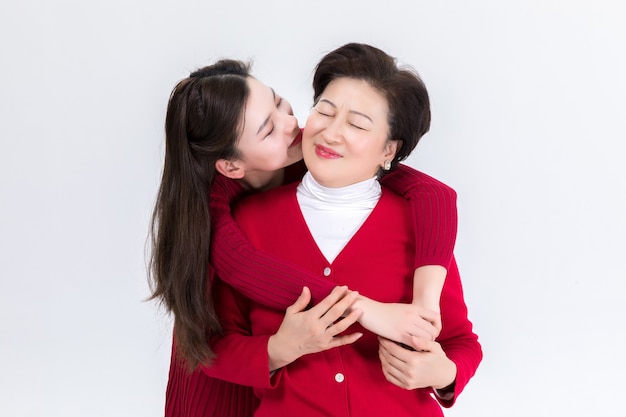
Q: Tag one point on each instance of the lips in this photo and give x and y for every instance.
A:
(326, 153)
(297, 139)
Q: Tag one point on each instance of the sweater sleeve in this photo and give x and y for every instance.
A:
(264, 278)
(434, 213)
(457, 337)
(196, 394)
(240, 356)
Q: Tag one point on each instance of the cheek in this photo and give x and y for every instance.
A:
(307, 134)
(314, 122)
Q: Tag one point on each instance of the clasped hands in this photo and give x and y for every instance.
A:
(320, 328)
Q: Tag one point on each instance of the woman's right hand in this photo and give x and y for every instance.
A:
(398, 321)
(316, 329)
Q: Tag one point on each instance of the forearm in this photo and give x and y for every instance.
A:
(396, 321)
(240, 356)
(242, 360)
(427, 286)
(263, 278)
(457, 338)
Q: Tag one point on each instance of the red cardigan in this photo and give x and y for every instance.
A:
(379, 263)
(270, 280)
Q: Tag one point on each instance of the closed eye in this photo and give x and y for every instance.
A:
(358, 127)
(322, 113)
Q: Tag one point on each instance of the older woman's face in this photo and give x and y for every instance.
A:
(345, 139)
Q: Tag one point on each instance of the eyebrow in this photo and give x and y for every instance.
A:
(358, 113)
(267, 119)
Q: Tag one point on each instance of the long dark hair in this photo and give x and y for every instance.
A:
(203, 121)
(406, 94)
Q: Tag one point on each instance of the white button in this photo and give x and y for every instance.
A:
(339, 377)
(327, 271)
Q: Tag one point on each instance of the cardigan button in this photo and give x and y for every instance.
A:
(327, 271)
(339, 377)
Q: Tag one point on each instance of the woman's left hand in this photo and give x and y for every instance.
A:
(427, 366)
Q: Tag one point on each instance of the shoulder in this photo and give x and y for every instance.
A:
(391, 201)
(265, 202)
(422, 181)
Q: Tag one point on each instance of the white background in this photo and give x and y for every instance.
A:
(529, 105)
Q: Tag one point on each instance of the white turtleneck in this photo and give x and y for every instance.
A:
(334, 215)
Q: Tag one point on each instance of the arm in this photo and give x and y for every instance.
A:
(248, 359)
(262, 277)
(275, 283)
(445, 365)
(435, 228)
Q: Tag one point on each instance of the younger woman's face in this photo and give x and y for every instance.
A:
(270, 137)
(345, 140)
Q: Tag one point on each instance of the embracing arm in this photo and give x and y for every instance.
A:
(262, 277)
(457, 339)
(434, 212)
(271, 281)
(445, 365)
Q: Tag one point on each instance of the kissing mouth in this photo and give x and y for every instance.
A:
(297, 139)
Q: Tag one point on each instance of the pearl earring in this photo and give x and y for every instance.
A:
(387, 165)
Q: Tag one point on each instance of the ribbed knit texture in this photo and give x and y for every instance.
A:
(198, 395)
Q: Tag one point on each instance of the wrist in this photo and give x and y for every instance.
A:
(447, 379)
(279, 353)
(362, 303)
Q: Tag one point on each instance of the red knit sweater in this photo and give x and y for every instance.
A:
(271, 281)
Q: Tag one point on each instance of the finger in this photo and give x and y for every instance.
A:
(339, 309)
(301, 303)
(393, 354)
(340, 326)
(424, 328)
(345, 340)
(400, 355)
(430, 316)
(391, 372)
(420, 344)
(331, 299)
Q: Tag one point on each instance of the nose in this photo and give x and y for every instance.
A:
(332, 132)
(290, 123)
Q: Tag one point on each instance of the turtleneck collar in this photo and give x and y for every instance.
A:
(362, 195)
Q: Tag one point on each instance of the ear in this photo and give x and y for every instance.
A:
(231, 169)
(391, 148)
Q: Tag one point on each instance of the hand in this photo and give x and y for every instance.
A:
(314, 330)
(397, 321)
(427, 366)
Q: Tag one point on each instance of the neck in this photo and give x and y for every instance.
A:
(263, 180)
